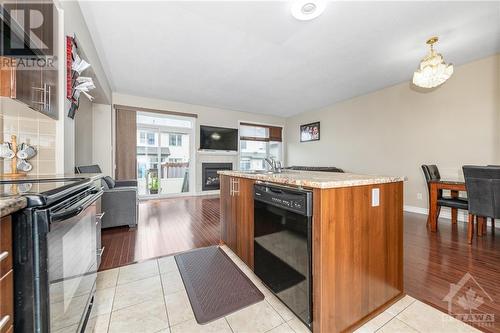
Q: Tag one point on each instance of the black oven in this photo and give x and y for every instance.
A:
(55, 259)
(282, 245)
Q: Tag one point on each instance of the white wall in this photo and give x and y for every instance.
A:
(102, 152)
(93, 143)
(74, 24)
(395, 130)
(84, 123)
(206, 116)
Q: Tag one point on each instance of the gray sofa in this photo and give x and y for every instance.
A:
(119, 200)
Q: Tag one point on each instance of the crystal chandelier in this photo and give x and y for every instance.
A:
(433, 71)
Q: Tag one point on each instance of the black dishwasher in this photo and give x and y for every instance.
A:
(282, 245)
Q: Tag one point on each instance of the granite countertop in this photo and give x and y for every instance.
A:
(315, 179)
(12, 204)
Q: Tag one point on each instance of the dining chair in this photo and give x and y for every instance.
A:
(431, 173)
(483, 190)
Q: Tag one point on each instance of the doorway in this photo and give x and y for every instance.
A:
(165, 155)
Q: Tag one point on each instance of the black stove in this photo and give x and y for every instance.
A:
(55, 243)
(43, 192)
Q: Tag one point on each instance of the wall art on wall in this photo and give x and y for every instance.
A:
(309, 132)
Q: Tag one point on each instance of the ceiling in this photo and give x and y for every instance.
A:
(254, 56)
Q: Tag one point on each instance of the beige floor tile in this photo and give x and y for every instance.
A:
(172, 282)
(146, 317)
(63, 316)
(103, 302)
(396, 326)
(98, 324)
(400, 305)
(167, 265)
(283, 328)
(107, 279)
(178, 308)
(165, 330)
(191, 326)
(425, 318)
(259, 317)
(69, 329)
(376, 323)
(298, 326)
(137, 292)
(137, 272)
(277, 305)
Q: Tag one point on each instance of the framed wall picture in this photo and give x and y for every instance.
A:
(309, 132)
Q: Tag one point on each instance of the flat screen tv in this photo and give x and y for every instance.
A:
(218, 138)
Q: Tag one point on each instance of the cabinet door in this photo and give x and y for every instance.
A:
(50, 73)
(227, 212)
(28, 84)
(244, 212)
(49, 79)
(7, 77)
(5, 245)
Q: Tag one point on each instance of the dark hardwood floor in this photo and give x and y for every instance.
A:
(165, 227)
(433, 261)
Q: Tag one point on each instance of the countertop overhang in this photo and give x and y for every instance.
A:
(315, 179)
(12, 204)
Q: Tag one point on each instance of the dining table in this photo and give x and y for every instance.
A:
(454, 185)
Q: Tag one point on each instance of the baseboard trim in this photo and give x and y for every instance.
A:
(210, 192)
(444, 214)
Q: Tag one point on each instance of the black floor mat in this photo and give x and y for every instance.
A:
(215, 286)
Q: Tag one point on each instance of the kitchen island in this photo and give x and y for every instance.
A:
(356, 243)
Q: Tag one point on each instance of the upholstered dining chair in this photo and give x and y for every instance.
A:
(431, 172)
(483, 191)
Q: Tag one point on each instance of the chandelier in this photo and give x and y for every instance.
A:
(433, 71)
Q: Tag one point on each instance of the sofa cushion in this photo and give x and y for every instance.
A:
(109, 181)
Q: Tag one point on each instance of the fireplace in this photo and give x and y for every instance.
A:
(210, 178)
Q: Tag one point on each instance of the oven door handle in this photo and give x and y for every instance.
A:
(77, 208)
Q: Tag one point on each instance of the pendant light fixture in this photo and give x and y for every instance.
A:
(433, 71)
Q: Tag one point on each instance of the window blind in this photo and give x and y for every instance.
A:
(256, 132)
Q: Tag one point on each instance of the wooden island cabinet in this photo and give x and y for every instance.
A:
(237, 216)
(357, 240)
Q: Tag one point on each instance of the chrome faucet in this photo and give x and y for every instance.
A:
(274, 165)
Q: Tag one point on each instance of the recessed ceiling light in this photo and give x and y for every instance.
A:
(305, 10)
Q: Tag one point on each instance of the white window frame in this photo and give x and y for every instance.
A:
(240, 122)
(192, 154)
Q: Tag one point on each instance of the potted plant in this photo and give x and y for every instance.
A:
(154, 185)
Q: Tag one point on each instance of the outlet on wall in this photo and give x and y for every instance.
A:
(419, 196)
(375, 197)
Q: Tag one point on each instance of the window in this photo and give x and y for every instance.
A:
(151, 139)
(175, 140)
(147, 138)
(258, 142)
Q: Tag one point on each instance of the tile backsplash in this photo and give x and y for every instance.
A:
(30, 127)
